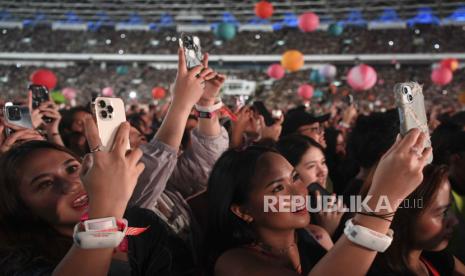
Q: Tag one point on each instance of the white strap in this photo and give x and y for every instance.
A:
(209, 109)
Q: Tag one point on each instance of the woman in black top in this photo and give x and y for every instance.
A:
(422, 228)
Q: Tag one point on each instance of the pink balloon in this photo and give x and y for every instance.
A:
(308, 22)
(305, 91)
(362, 77)
(107, 91)
(69, 93)
(276, 71)
(441, 76)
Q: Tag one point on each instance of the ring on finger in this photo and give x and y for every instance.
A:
(416, 151)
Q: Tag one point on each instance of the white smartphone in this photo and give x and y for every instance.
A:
(192, 50)
(411, 105)
(109, 114)
(18, 116)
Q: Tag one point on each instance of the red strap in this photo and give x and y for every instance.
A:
(430, 267)
(131, 231)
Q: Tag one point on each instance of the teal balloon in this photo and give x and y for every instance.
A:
(122, 70)
(316, 77)
(225, 31)
(335, 29)
(318, 94)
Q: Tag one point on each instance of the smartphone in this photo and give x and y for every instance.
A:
(109, 114)
(192, 50)
(18, 116)
(312, 188)
(260, 107)
(40, 94)
(411, 106)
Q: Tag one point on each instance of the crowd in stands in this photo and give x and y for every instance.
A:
(421, 39)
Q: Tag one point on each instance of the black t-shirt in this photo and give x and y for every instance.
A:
(442, 261)
(157, 251)
(310, 250)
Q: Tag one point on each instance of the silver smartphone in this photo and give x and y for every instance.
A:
(192, 50)
(109, 114)
(411, 105)
(17, 115)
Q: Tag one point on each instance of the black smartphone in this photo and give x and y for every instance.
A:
(349, 99)
(260, 107)
(40, 94)
(312, 188)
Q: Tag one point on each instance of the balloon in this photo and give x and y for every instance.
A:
(44, 77)
(335, 29)
(441, 76)
(305, 91)
(122, 70)
(158, 93)
(226, 31)
(450, 63)
(308, 22)
(263, 9)
(316, 77)
(292, 60)
(328, 71)
(107, 92)
(69, 93)
(462, 98)
(275, 71)
(58, 97)
(362, 77)
(317, 93)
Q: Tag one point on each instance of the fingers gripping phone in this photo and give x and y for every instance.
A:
(109, 114)
(18, 116)
(40, 94)
(411, 105)
(312, 188)
(192, 50)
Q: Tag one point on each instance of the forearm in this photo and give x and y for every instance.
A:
(173, 125)
(210, 127)
(236, 137)
(85, 262)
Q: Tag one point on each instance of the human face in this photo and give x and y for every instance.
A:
(434, 227)
(78, 121)
(276, 177)
(312, 167)
(314, 131)
(50, 186)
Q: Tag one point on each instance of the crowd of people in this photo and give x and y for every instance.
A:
(189, 195)
(421, 39)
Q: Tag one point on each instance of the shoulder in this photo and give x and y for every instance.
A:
(243, 261)
(320, 235)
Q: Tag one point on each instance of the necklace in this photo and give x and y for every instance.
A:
(277, 252)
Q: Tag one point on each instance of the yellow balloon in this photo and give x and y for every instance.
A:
(462, 98)
(292, 60)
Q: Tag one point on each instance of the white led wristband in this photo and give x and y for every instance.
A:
(209, 109)
(368, 238)
(99, 233)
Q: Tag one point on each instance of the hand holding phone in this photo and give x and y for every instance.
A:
(261, 109)
(16, 115)
(40, 94)
(411, 106)
(109, 114)
(192, 50)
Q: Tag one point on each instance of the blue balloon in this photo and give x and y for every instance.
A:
(225, 31)
(317, 93)
(316, 77)
(335, 29)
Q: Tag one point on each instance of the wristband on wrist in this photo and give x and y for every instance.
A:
(368, 238)
(344, 124)
(208, 112)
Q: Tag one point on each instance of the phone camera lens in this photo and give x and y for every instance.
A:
(410, 98)
(104, 114)
(14, 114)
(102, 104)
(110, 109)
(405, 90)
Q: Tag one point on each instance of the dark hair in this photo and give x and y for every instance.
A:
(230, 183)
(395, 259)
(294, 146)
(68, 117)
(30, 238)
(447, 139)
(372, 136)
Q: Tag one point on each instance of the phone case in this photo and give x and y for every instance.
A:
(411, 105)
(21, 116)
(109, 114)
(40, 94)
(192, 50)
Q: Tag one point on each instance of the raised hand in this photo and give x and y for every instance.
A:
(110, 177)
(213, 83)
(19, 135)
(270, 132)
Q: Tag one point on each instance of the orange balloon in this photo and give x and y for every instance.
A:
(462, 98)
(292, 60)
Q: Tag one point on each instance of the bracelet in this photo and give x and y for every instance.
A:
(371, 214)
(367, 237)
(100, 233)
(209, 109)
(344, 125)
(55, 134)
